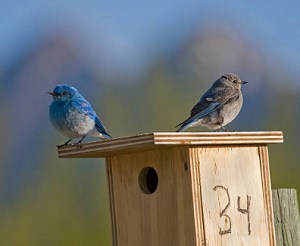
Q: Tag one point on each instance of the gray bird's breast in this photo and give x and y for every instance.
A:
(231, 109)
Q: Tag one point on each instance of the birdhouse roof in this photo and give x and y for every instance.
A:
(150, 141)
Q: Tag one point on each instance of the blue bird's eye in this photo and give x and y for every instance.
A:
(64, 93)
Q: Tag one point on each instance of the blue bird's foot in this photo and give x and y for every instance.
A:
(65, 144)
(79, 142)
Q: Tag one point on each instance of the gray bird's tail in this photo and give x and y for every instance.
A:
(184, 125)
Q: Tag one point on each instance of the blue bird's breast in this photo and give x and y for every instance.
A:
(69, 120)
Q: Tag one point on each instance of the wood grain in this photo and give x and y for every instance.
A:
(165, 217)
(151, 141)
(286, 215)
(201, 238)
(266, 185)
(225, 175)
(112, 201)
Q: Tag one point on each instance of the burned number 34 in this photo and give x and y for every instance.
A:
(224, 215)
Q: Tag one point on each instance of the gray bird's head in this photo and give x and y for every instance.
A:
(64, 93)
(232, 80)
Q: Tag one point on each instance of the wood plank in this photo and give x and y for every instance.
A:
(201, 238)
(111, 202)
(286, 215)
(165, 217)
(234, 210)
(266, 185)
(150, 141)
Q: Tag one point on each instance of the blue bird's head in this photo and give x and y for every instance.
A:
(64, 93)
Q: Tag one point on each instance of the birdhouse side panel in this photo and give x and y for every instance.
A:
(143, 214)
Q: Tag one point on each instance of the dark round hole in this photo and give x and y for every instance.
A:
(148, 180)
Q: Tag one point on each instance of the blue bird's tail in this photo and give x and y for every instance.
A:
(101, 129)
(106, 135)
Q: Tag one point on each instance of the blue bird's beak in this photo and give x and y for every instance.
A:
(51, 93)
(244, 82)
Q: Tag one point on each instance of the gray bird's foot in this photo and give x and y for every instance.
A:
(223, 128)
(226, 130)
(65, 144)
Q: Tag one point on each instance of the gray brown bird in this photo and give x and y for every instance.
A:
(218, 106)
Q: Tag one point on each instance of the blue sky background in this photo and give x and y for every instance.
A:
(135, 31)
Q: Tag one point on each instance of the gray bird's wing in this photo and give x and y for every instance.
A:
(214, 98)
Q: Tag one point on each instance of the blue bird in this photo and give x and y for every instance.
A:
(218, 106)
(72, 115)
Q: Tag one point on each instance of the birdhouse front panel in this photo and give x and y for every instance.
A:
(234, 205)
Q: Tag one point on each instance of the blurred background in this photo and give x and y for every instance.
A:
(142, 65)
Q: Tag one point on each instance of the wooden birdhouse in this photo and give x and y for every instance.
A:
(173, 189)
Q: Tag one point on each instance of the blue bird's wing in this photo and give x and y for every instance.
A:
(85, 107)
(101, 128)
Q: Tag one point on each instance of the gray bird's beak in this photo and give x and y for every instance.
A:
(244, 82)
(51, 93)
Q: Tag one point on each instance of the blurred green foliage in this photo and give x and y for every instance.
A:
(65, 201)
